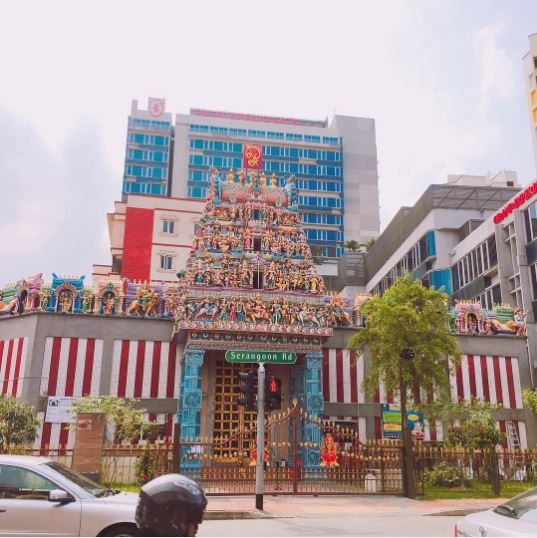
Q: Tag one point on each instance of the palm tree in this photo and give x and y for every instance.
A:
(367, 245)
(352, 245)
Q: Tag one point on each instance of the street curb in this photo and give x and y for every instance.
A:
(235, 514)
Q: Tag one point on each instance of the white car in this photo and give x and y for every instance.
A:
(40, 497)
(515, 517)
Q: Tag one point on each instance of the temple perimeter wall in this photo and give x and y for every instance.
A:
(45, 354)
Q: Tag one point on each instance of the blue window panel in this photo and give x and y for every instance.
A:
(135, 187)
(442, 278)
(196, 159)
(293, 152)
(197, 192)
(431, 244)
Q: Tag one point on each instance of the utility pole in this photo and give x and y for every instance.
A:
(259, 469)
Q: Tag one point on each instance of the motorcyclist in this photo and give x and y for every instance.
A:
(170, 505)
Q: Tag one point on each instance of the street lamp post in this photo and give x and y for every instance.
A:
(408, 475)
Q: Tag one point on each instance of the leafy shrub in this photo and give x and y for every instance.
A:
(445, 474)
(146, 466)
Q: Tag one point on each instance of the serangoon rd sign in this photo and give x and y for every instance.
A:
(524, 196)
(274, 357)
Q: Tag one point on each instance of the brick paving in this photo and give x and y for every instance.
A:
(309, 506)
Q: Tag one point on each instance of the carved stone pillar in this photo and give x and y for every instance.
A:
(191, 400)
(314, 406)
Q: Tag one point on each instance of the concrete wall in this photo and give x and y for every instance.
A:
(360, 171)
(38, 327)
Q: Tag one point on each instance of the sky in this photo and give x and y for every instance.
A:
(443, 80)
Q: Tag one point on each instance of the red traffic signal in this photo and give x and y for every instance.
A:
(273, 391)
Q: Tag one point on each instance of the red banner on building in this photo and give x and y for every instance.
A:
(252, 157)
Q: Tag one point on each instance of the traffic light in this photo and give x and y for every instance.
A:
(273, 394)
(248, 389)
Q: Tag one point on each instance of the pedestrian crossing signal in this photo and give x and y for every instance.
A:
(273, 394)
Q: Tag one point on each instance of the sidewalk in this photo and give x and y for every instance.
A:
(322, 506)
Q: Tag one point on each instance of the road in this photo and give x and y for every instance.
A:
(333, 526)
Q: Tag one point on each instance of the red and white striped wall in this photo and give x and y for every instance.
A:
(72, 367)
(13, 354)
(343, 374)
(59, 436)
(144, 369)
(494, 379)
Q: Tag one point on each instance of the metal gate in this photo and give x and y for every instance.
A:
(226, 465)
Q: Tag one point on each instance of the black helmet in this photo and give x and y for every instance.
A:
(170, 505)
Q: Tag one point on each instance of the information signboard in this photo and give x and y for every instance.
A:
(391, 422)
(58, 408)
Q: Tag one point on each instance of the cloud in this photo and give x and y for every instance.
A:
(497, 73)
(53, 208)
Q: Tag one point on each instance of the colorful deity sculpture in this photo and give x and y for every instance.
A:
(328, 452)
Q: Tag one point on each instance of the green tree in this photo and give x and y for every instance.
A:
(18, 423)
(530, 399)
(352, 245)
(477, 425)
(408, 315)
(122, 414)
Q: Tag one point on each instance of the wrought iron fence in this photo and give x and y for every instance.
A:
(466, 473)
(132, 464)
(61, 455)
(371, 468)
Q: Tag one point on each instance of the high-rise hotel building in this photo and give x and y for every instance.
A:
(334, 163)
(530, 70)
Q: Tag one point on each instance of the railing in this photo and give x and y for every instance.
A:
(375, 468)
(465, 472)
(61, 455)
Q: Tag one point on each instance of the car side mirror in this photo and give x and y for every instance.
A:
(60, 496)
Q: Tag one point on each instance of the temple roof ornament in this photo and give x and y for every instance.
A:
(250, 266)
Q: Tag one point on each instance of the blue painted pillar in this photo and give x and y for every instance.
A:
(314, 407)
(190, 402)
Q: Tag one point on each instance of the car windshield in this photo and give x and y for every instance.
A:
(80, 480)
(523, 507)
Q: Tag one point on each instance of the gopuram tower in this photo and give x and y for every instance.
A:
(250, 286)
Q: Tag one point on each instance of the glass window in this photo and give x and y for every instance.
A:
(479, 261)
(23, 484)
(168, 226)
(532, 214)
(493, 255)
(165, 262)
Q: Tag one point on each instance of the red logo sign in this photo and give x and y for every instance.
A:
(524, 196)
(252, 157)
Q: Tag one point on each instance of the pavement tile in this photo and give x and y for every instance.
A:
(381, 505)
